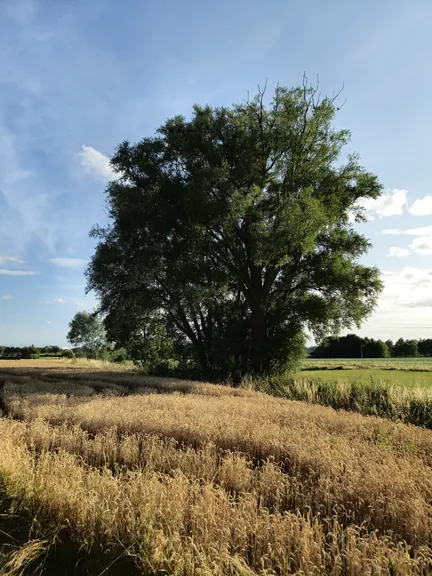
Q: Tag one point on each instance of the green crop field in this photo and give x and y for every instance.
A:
(404, 371)
(422, 363)
(403, 377)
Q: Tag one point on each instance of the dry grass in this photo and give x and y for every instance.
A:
(203, 479)
(60, 363)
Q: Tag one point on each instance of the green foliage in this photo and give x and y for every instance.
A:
(119, 355)
(351, 346)
(425, 347)
(390, 346)
(375, 349)
(27, 352)
(68, 354)
(153, 348)
(30, 353)
(87, 332)
(405, 348)
(231, 235)
(50, 350)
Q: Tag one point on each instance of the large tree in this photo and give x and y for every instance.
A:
(87, 332)
(234, 229)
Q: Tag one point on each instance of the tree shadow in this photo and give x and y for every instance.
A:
(57, 553)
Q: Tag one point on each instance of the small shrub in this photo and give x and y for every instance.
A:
(68, 354)
(119, 356)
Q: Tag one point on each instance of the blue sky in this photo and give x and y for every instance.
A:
(78, 77)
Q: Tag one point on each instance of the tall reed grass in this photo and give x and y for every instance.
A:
(411, 405)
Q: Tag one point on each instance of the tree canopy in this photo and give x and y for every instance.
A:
(405, 348)
(232, 234)
(351, 346)
(87, 332)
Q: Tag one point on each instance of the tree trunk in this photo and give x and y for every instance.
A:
(258, 340)
(202, 359)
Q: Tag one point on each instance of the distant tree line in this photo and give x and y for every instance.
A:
(28, 352)
(353, 346)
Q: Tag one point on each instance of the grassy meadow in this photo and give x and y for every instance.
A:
(420, 363)
(106, 471)
(395, 377)
(411, 372)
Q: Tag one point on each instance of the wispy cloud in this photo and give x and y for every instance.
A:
(390, 204)
(421, 207)
(6, 297)
(406, 287)
(422, 231)
(48, 69)
(10, 260)
(97, 163)
(392, 232)
(47, 322)
(396, 252)
(24, 204)
(17, 272)
(56, 301)
(75, 263)
(426, 303)
(421, 245)
(408, 291)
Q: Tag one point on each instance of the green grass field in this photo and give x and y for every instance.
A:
(404, 371)
(403, 377)
(423, 363)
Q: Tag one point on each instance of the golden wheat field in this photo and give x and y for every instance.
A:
(104, 471)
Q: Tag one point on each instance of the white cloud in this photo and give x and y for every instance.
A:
(11, 260)
(26, 204)
(401, 306)
(75, 263)
(47, 322)
(390, 204)
(422, 245)
(97, 163)
(421, 207)
(422, 231)
(405, 288)
(56, 301)
(6, 297)
(396, 252)
(392, 232)
(87, 303)
(16, 273)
